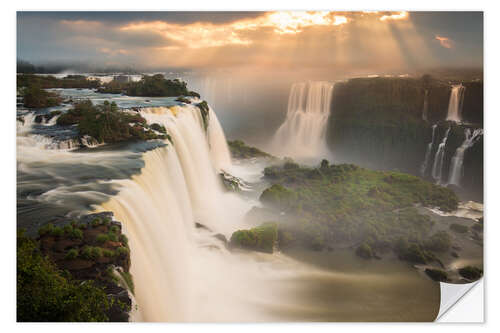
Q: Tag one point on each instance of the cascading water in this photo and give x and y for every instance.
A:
(425, 164)
(457, 161)
(456, 102)
(437, 169)
(303, 134)
(426, 105)
(177, 267)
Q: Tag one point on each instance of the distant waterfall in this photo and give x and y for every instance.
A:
(437, 169)
(303, 133)
(456, 103)
(425, 164)
(426, 105)
(457, 162)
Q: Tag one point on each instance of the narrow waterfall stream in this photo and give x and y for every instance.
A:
(455, 104)
(428, 152)
(437, 169)
(457, 161)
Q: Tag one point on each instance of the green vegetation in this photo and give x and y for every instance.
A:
(351, 205)
(462, 229)
(471, 272)
(36, 97)
(261, 238)
(183, 99)
(436, 274)
(71, 254)
(204, 111)
(240, 150)
(364, 251)
(107, 124)
(439, 242)
(127, 277)
(149, 86)
(44, 293)
(49, 81)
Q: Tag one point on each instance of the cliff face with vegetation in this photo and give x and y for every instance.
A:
(378, 123)
(76, 270)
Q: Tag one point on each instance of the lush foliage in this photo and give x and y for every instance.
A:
(44, 293)
(436, 274)
(240, 150)
(261, 238)
(36, 97)
(346, 203)
(49, 81)
(107, 124)
(151, 86)
(470, 272)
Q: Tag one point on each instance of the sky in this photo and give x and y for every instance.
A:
(323, 40)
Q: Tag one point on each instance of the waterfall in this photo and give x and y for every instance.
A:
(426, 105)
(457, 161)
(437, 169)
(456, 102)
(303, 133)
(425, 164)
(175, 265)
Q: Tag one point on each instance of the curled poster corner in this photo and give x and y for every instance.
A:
(451, 294)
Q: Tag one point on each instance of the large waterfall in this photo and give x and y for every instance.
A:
(437, 169)
(428, 152)
(457, 162)
(184, 273)
(303, 133)
(456, 102)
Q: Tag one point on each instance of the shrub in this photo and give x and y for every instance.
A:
(459, 228)
(112, 237)
(108, 253)
(57, 232)
(71, 254)
(470, 272)
(114, 229)
(364, 251)
(279, 196)
(124, 239)
(76, 234)
(102, 238)
(46, 229)
(68, 229)
(86, 252)
(440, 242)
(261, 238)
(437, 274)
(96, 222)
(122, 251)
(96, 252)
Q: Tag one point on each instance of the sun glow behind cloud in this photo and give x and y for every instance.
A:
(288, 39)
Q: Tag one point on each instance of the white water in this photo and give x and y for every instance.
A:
(303, 133)
(178, 270)
(425, 164)
(457, 161)
(437, 169)
(455, 104)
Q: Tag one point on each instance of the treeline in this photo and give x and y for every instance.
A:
(149, 86)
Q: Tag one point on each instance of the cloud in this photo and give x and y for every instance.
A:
(398, 16)
(445, 42)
